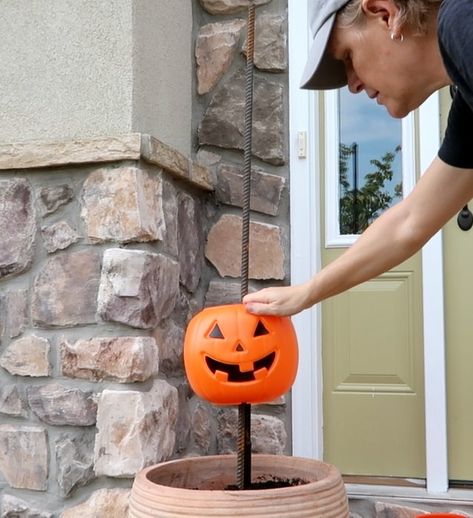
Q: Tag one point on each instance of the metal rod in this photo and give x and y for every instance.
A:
(244, 410)
(245, 238)
(244, 446)
(354, 148)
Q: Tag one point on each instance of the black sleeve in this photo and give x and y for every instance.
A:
(457, 147)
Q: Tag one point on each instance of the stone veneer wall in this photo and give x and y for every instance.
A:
(109, 246)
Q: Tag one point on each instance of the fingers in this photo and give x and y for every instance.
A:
(258, 308)
(259, 303)
(280, 301)
(262, 296)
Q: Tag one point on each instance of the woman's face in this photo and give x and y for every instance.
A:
(397, 74)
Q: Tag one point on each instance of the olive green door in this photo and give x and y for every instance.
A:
(372, 342)
(373, 376)
(458, 281)
(458, 261)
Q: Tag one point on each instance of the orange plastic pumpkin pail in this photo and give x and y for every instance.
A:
(232, 356)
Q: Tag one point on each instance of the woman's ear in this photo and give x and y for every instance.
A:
(384, 11)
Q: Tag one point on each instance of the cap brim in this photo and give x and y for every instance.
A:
(322, 71)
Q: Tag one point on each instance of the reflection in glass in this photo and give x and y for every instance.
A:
(369, 161)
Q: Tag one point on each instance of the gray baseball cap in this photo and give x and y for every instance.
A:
(322, 71)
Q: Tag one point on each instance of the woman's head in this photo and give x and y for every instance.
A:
(416, 14)
(386, 47)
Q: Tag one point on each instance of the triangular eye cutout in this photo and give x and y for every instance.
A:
(216, 332)
(260, 330)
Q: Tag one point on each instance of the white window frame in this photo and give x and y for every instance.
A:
(333, 238)
(307, 410)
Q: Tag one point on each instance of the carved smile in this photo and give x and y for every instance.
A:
(241, 372)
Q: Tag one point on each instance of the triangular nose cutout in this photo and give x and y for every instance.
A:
(239, 348)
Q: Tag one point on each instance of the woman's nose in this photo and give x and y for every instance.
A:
(355, 85)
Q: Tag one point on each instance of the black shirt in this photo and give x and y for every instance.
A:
(455, 33)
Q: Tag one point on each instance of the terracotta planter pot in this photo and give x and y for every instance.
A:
(195, 487)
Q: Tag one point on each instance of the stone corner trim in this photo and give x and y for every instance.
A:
(38, 153)
(133, 146)
(156, 152)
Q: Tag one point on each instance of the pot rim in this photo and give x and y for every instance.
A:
(331, 478)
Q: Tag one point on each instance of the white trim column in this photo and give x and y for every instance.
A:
(434, 321)
(307, 412)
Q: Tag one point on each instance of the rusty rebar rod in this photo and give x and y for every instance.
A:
(244, 410)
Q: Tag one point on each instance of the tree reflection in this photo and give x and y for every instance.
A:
(362, 202)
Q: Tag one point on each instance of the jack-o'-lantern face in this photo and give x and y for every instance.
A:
(233, 357)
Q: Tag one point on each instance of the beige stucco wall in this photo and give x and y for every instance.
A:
(163, 70)
(79, 68)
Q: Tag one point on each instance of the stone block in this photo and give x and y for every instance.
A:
(11, 401)
(3, 314)
(191, 241)
(58, 405)
(202, 425)
(104, 503)
(27, 356)
(14, 306)
(170, 209)
(270, 43)
(17, 221)
(183, 423)
(53, 197)
(65, 290)
(123, 204)
(24, 456)
(268, 434)
(215, 50)
(13, 507)
(170, 342)
(221, 292)
(266, 188)
(123, 359)
(228, 6)
(386, 510)
(135, 429)
(224, 120)
(137, 288)
(59, 236)
(266, 249)
(75, 461)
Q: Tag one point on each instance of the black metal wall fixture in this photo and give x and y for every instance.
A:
(465, 218)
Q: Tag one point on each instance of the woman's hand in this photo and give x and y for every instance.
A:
(392, 238)
(280, 301)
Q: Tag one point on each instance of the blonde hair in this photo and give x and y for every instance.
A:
(412, 13)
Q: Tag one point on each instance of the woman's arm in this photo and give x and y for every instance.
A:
(395, 236)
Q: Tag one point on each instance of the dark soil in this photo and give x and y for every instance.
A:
(273, 483)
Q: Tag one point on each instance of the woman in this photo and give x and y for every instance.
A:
(399, 52)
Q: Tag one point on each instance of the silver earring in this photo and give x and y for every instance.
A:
(399, 38)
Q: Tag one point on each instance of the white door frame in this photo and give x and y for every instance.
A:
(307, 410)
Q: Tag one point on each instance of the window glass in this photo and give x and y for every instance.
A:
(370, 162)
